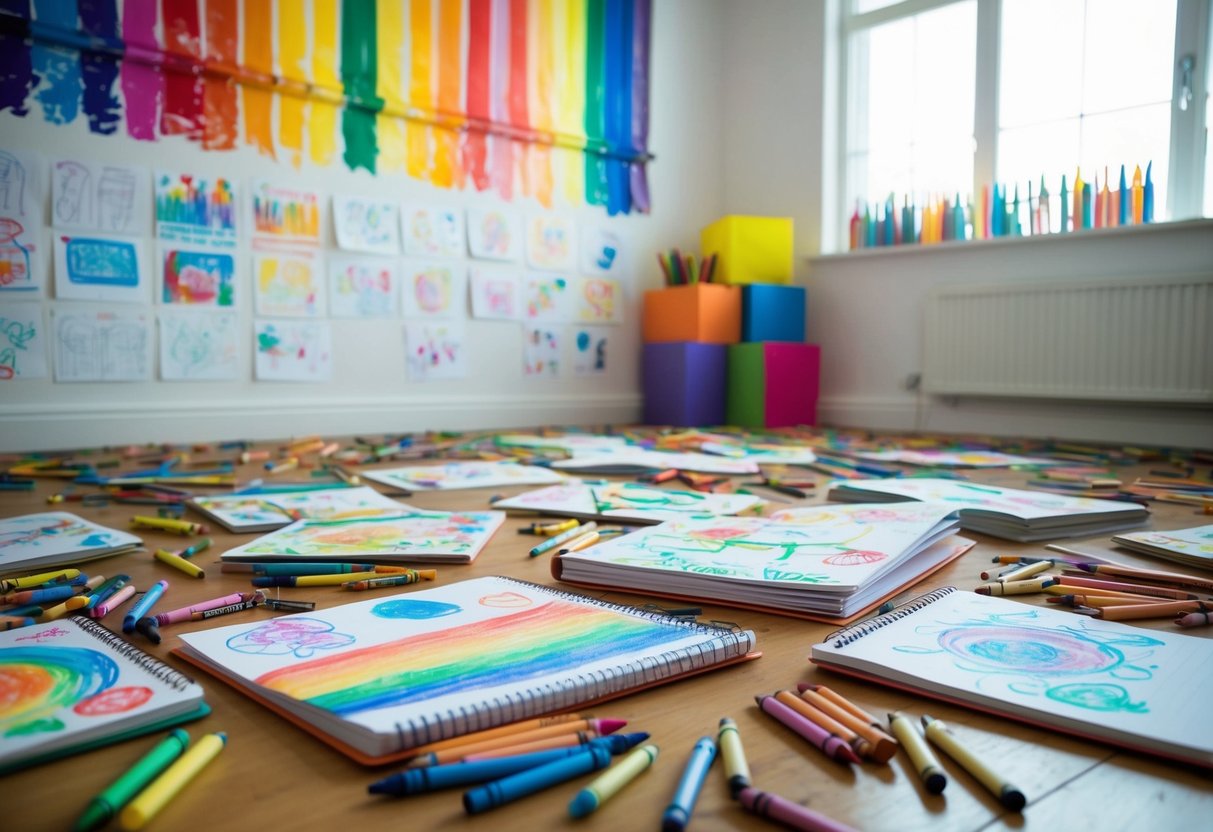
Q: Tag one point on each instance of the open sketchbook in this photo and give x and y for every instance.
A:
(462, 474)
(54, 538)
(72, 685)
(1009, 513)
(950, 458)
(1193, 547)
(634, 460)
(1145, 690)
(411, 535)
(626, 501)
(265, 512)
(379, 677)
(824, 562)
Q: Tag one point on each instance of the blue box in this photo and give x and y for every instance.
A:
(684, 383)
(772, 313)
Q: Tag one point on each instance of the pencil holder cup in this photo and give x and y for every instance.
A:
(704, 312)
(772, 313)
(750, 249)
(772, 384)
(684, 383)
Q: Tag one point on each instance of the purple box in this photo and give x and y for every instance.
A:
(684, 383)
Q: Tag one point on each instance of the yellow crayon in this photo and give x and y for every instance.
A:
(1015, 587)
(607, 784)
(177, 562)
(937, 732)
(168, 524)
(736, 769)
(9, 584)
(1026, 571)
(174, 778)
(925, 763)
(59, 610)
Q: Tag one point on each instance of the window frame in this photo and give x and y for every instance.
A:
(1186, 166)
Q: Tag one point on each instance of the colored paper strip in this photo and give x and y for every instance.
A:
(389, 83)
(219, 92)
(446, 170)
(517, 93)
(617, 73)
(501, 153)
(421, 88)
(182, 113)
(541, 56)
(140, 78)
(259, 58)
(322, 121)
(99, 69)
(638, 171)
(570, 38)
(16, 67)
(475, 141)
(292, 52)
(595, 98)
(56, 67)
(358, 76)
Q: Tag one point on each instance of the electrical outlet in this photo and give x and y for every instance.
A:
(913, 381)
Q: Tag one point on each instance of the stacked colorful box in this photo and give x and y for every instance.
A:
(687, 330)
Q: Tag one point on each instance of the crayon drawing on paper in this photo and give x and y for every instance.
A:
(198, 345)
(432, 232)
(435, 350)
(434, 289)
(590, 351)
(196, 210)
(363, 287)
(599, 300)
(22, 341)
(496, 294)
(601, 252)
(287, 350)
(97, 345)
(88, 196)
(551, 243)
(546, 298)
(494, 234)
(101, 267)
(285, 214)
(287, 284)
(367, 225)
(21, 254)
(204, 278)
(540, 351)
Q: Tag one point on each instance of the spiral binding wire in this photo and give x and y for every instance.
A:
(846, 635)
(577, 690)
(119, 645)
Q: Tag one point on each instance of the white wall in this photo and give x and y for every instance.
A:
(369, 392)
(865, 308)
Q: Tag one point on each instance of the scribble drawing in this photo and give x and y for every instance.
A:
(198, 346)
(95, 262)
(41, 681)
(432, 290)
(16, 337)
(599, 299)
(116, 195)
(73, 196)
(544, 296)
(1079, 665)
(295, 636)
(101, 350)
(198, 277)
(12, 185)
(14, 256)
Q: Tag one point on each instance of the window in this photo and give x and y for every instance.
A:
(947, 96)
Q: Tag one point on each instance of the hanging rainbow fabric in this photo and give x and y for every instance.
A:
(488, 94)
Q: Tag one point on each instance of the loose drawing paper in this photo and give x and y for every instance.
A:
(196, 210)
(195, 276)
(435, 350)
(363, 287)
(23, 341)
(101, 267)
(367, 224)
(432, 232)
(289, 350)
(540, 351)
(495, 234)
(434, 289)
(546, 298)
(551, 243)
(590, 345)
(102, 345)
(287, 284)
(22, 257)
(462, 474)
(601, 252)
(599, 300)
(496, 293)
(198, 345)
(100, 196)
(286, 214)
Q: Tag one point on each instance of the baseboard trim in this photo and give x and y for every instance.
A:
(37, 427)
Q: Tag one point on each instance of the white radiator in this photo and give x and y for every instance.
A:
(1149, 339)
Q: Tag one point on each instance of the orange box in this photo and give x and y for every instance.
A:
(709, 313)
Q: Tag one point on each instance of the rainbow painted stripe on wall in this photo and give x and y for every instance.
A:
(529, 98)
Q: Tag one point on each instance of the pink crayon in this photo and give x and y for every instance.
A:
(787, 812)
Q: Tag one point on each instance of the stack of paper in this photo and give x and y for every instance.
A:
(629, 501)
(1193, 547)
(55, 538)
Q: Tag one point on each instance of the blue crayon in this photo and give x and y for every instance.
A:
(508, 789)
(150, 597)
(1147, 196)
(432, 778)
(1125, 214)
(678, 814)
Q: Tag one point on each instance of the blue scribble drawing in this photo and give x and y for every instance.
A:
(1033, 660)
(301, 637)
(415, 610)
(21, 352)
(100, 262)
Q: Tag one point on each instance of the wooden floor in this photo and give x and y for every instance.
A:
(272, 775)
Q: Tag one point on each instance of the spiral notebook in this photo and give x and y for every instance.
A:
(1008, 513)
(1144, 690)
(72, 685)
(53, 538)
(1191, 547)
(379, 677)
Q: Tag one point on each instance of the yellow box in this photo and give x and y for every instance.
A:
(749, 249)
